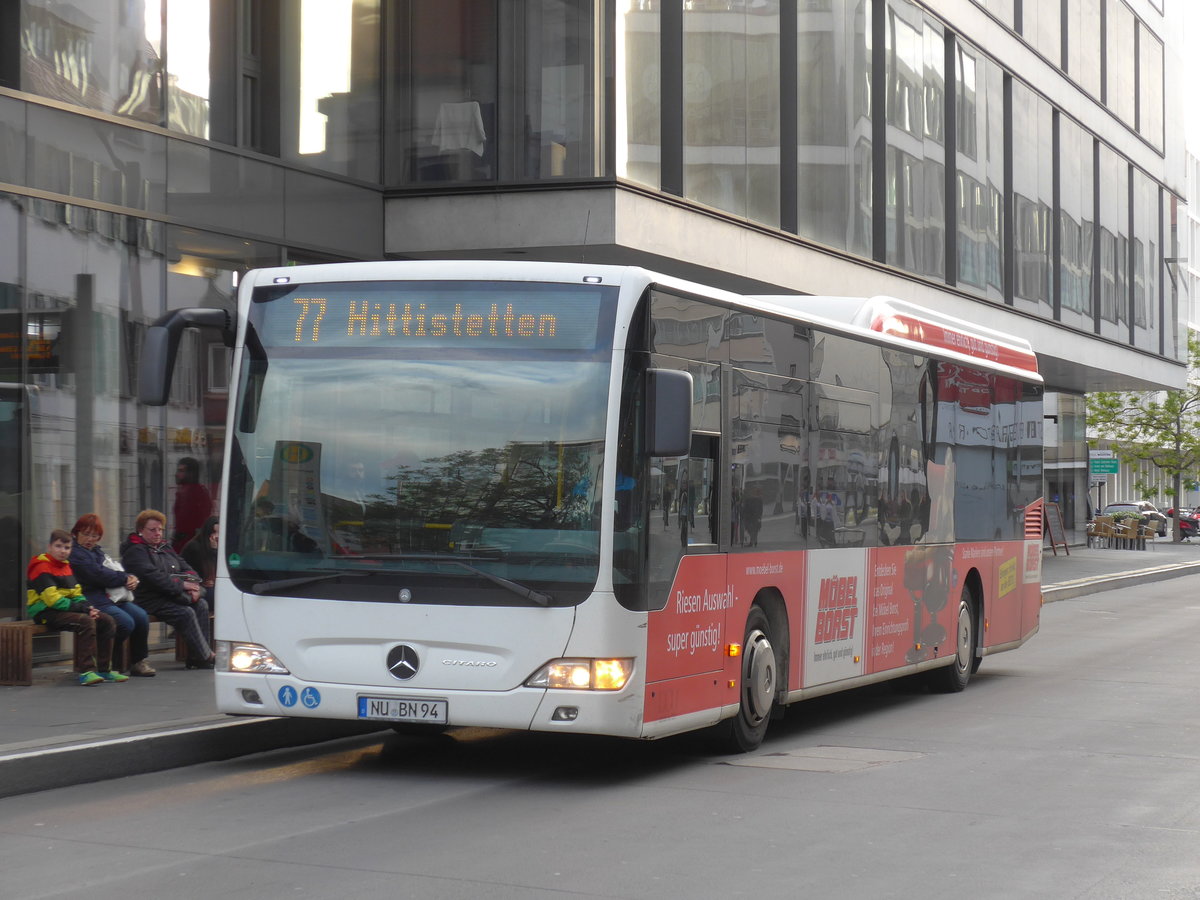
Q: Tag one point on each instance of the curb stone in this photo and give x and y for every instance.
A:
(44, 767)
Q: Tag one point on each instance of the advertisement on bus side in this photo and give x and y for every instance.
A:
(851, 611)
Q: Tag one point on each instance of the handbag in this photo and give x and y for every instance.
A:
(120, 594)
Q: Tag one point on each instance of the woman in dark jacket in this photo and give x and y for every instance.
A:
(169, 588)
(201, 554)
(97, 579)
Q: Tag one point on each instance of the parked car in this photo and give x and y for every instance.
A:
(1147, 510)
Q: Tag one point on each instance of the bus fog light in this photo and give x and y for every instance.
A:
(251, 697)
(243, 657)
(583, 674)
(565, 714)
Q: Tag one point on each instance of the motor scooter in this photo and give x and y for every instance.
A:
(1189, 524)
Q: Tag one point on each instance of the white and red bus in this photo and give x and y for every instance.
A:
(595, 499)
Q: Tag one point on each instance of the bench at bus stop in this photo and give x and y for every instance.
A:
(16, 651)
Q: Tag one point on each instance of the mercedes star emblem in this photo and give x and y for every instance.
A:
(403, 662)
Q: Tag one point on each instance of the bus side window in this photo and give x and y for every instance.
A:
(769, 434)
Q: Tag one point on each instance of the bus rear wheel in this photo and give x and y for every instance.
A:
(759, 683)
(953, 678)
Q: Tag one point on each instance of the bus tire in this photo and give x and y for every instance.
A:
(953, 678)
(759, 683)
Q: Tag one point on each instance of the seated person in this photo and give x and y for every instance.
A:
(201, 554)
(109, 588)
(268, 530)
(56, 600)
(168, 587)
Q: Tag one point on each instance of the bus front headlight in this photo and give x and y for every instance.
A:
(238, 656)
(582, 674)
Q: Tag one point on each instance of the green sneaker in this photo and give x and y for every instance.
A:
(88, 678)
(114, 677)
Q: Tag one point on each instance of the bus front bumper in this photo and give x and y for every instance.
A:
(537, 709)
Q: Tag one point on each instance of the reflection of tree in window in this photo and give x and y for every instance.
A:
(533, 486)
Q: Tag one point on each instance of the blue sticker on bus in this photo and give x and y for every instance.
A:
(310, 697)
(288, 696)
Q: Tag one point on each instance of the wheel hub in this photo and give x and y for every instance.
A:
(964, 637)
(759, 676)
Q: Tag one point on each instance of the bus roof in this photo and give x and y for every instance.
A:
(886, 320)
(911, 324)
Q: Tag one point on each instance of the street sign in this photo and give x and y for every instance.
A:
(1104, 466)
(1100, 454)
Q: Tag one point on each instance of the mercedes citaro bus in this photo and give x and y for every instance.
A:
(596, 499)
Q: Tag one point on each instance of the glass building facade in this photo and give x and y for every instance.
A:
(1014, 156)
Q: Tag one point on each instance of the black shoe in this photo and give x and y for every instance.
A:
(207, 664)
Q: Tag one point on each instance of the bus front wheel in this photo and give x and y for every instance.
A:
(954, 677)
(759, 683)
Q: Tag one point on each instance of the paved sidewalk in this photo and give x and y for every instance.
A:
(56, 733)
(1088, 570)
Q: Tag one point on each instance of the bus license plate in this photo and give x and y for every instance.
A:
(403, 709)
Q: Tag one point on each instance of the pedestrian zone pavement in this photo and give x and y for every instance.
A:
(56, 733)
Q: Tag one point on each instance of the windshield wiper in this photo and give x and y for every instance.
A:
(266, 587)
(541, 598)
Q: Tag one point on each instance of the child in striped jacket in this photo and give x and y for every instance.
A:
(56, 600)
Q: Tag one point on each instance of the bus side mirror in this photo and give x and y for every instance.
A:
(668, 412)
(161, 345)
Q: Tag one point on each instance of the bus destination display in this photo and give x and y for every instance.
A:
(432, 315)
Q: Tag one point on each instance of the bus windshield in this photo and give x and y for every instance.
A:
(450, 468)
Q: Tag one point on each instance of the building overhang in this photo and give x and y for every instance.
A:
(604, 223)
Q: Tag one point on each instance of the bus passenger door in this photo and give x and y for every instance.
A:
(698, 494)
(686, 572)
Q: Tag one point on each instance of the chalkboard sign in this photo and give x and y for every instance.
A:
(1055, 530)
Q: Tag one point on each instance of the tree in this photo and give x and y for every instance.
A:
(1159, 427)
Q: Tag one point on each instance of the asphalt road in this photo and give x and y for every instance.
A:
(1067, 769)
